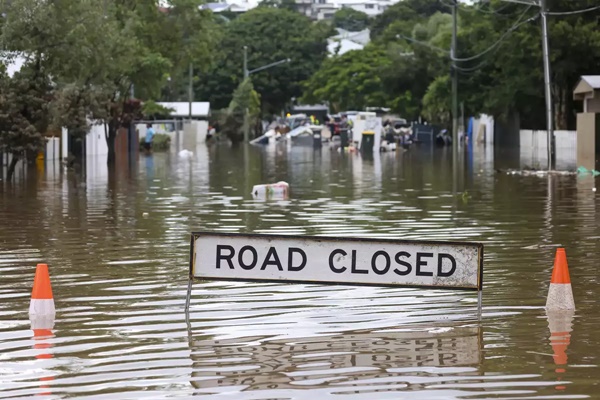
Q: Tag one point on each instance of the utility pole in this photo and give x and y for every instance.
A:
(547, 80)
(547, 84)
(190, 90)
(454, 74)
(246, 62)
(246, 74)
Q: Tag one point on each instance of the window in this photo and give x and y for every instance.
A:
(369, 6)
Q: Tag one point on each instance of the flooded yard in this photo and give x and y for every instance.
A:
(117, 243)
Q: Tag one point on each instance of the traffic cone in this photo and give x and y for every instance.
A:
(42, 302)
(560, 293)
(42, 326)
(560, 324)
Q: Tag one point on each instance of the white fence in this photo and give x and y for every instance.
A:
(534, 149)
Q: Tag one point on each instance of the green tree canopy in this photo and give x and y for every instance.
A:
(102, 52)
(350, 19)
(351, 81)
(405, 14)
(23, 113)
(271, 35)
(244, 106)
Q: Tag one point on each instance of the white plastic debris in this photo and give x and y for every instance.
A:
(186, 154)
(279, 189)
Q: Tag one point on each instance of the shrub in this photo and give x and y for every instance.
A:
(160, 142)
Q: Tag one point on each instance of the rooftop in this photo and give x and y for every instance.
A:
(181, 108)
(587, 85)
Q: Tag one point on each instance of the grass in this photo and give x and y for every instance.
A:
(160, 142)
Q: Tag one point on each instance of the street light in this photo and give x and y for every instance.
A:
(247, 74)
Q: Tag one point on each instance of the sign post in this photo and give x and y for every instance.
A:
(336, 261)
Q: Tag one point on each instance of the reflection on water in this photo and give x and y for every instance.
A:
(358, 363)
(117, 242)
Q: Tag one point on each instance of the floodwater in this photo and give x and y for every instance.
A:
(118, 248)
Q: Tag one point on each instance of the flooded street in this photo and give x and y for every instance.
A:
(118, 249)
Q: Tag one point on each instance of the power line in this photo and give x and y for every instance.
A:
(574, 12)
(474, 68)
(499, 41)
(494, 46)
(424, 44)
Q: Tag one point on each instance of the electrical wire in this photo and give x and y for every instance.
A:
(499, 41)
(424, 44)
(574, 12)
(472, 69)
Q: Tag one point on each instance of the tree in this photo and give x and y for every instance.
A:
(271, 35)
(153, 110)
(351, 81)
(245, 105)
(414, 65)
(406, 14)
(437, 101)
(350, 19)
(23, 113)
(102, 52)
(509, 77)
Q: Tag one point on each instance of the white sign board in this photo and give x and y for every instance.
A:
(327, 260)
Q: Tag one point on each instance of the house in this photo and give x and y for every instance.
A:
(588, 91)
(370, 7)
(362, 37)
(346, 41)
(190, 133)
(323, 10)
(221, 7)
(181, 109)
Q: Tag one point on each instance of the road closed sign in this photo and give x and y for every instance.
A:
(328, 260)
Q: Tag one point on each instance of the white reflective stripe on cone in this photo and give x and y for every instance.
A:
(560, 297)
(42, 307)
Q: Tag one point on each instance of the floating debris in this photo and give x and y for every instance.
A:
(280, 190)
(585, 171)
(534, 172)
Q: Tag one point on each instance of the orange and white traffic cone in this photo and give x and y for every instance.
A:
(560, 323)
(560, 293)
(42, 326)
(42, 301)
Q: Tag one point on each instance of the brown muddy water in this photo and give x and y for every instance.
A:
(118, 246)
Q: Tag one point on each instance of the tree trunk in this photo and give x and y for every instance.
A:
(111, 136)
(12, 166)
(559, 99)
(564, 117)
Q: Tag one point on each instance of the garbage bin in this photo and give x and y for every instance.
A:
(367, 142)
(317, 138)
(344, 138)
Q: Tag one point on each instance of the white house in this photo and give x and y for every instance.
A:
(369, 7)
(346, 41)
(181, 109)
(233, 6)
